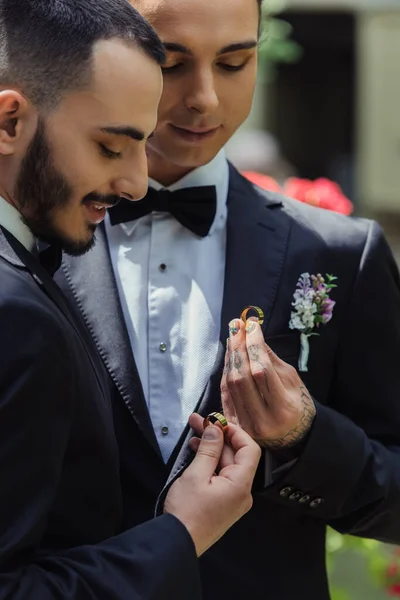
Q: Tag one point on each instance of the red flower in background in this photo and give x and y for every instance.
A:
(394, 590)
(263, 181)
(321, 192)
(393, 575)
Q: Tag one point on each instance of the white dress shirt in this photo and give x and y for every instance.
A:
(11, 219)
(171, 284)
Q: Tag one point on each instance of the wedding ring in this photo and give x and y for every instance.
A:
(215, 418)
(257, 310)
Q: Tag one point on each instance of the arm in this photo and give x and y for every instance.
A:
(156, 560)
(352, 457)
(348, 472)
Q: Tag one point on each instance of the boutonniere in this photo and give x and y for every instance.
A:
(312, 307)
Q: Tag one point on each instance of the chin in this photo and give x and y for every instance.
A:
(77, 247)
(192, 160)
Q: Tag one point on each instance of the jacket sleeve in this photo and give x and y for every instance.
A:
(348, 474)
(154, 561)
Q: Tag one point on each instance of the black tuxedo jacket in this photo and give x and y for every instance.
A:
(60, 494)
(348, 474)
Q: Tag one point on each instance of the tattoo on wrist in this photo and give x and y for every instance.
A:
(298, 433)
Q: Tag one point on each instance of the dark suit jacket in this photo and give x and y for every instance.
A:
(60, 492)
(348, 474)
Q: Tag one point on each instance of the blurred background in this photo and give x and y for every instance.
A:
(327, 101)
(327, 105)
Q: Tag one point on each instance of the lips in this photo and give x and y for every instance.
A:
(194, 134)
(197, 129)
(96, 212)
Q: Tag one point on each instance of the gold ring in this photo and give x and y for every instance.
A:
(257, 310)
(215, 418)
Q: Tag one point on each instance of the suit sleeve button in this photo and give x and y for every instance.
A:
(316, 502)
(285, 492)
(305, 499)
(296, 496)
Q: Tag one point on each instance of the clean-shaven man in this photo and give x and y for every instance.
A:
(79, 80)
(175, 269)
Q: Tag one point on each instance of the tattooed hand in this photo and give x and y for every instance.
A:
(262, 393)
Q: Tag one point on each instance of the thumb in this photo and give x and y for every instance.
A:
(208, 454)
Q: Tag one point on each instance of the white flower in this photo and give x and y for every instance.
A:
(296, 322)
(303, 317)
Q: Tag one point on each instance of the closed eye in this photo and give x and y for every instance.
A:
(172, 68)
(232, 68)
(108, 153)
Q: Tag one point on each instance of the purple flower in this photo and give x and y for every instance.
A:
(327, 307)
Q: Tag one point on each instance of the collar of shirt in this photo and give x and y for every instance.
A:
(11, 220)
(216, 172)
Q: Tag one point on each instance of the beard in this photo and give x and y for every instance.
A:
(42, 190)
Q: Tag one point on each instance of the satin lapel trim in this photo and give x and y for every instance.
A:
(257, 242)
(94, 288)
(8, 253)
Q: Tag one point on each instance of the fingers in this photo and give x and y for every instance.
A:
(247, 454)
(228, 406)
(245, 397)
(228, 454)
(194, 444)
(208, 454)
(196, 423)
(263, 363)
(239, 448)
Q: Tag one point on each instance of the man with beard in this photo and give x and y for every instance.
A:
(79, 87)
(167, 276)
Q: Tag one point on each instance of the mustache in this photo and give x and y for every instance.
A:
(108, 200)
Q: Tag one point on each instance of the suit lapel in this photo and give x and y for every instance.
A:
(17, 255)
(93, 286)
(257, 240)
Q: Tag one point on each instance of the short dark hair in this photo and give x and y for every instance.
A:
(46, 46)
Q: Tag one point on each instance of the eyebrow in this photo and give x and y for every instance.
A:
(236, 47)
(247, 45)
(130, 132)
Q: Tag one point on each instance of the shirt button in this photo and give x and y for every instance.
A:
(316, 502)
(162, 267)
(164, 430)
(163, 347)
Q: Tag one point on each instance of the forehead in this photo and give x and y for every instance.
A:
(125, 88)
(207, 24)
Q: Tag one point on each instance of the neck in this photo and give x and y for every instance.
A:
(6, 196)
(164, 172)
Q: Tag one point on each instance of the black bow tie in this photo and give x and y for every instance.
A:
(50, 258)
(194, 208)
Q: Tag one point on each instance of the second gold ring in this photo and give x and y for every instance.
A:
(215, 418)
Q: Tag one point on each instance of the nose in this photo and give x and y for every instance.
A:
(132, 181)
(202, 96)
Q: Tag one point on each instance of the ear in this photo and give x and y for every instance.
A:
(14, 115)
